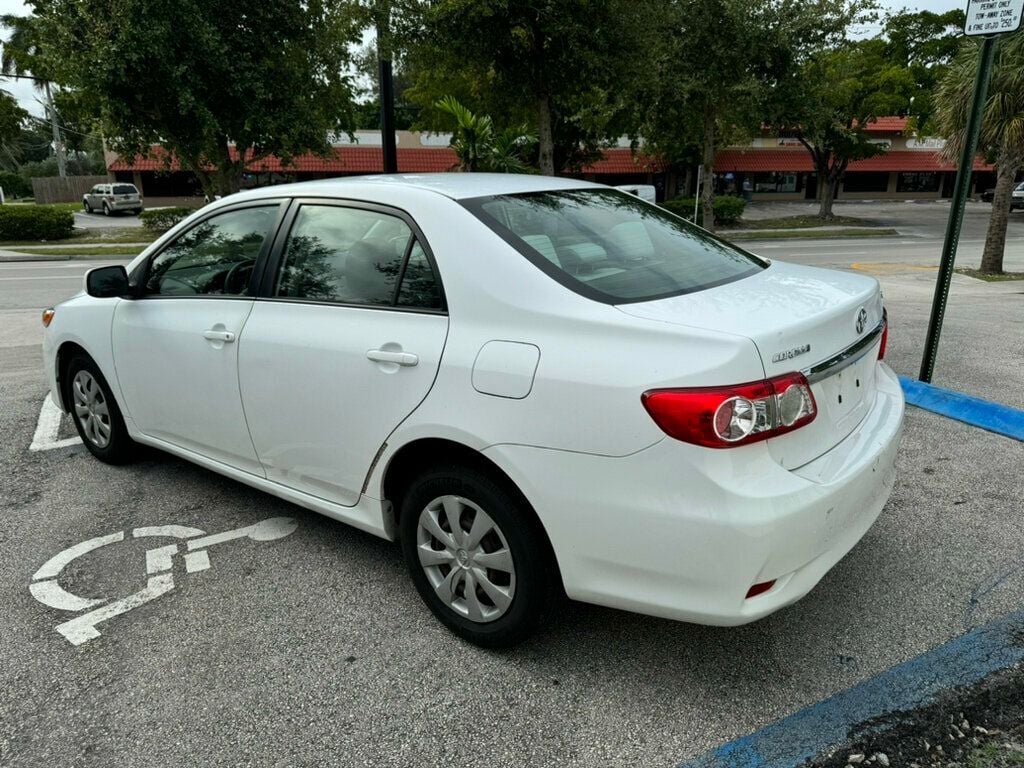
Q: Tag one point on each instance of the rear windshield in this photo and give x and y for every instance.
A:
(611, 246)
(124, 189)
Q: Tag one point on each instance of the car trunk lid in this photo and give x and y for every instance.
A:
(800, 319)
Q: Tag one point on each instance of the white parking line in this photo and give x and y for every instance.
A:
(48, 427)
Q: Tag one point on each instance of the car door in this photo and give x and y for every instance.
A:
(342, 344)
(176, 344)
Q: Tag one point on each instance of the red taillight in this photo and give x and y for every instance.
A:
(760, 589)
(111, 198)
(726, 417)
(885, 335)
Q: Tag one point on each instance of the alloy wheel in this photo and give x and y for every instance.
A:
(91, 408)
(466, 558)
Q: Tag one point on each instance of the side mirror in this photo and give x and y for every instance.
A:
(107, 282)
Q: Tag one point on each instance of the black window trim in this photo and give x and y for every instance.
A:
(138, 290)
(475, 205)
(271, 267)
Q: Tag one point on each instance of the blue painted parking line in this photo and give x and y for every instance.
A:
(828, 724)
(994, 417)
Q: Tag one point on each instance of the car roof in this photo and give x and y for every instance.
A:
(457, 186)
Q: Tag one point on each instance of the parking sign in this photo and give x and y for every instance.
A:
(993, 17)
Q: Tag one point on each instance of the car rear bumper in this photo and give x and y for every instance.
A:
(683, 532)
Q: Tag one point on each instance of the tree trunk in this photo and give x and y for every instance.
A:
(827, 198)
(671, 182)
(687, 180)
(995, 238)
(545, 135)
(707, 191)
(833, 176)
(229, 172)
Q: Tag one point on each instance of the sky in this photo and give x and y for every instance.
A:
(23, 91)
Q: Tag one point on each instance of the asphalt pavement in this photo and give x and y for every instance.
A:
(313, 648)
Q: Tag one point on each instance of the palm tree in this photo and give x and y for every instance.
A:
(479, 148)
(1002, 130)
(22, 57)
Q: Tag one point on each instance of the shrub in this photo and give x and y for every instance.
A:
(162, 219)
(13, 185)
(35, 222)
(682, 207)
(728, 209)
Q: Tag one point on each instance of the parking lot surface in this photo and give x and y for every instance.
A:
(313, 649)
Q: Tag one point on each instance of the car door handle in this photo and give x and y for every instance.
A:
(386, 356)
(226, 336)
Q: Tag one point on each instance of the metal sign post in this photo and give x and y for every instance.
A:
(986, 18)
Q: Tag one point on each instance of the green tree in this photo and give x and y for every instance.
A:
(480, 148)
(839, 93)
(198, 76)
(714, 78)
(562, 65)
(924, 43)
(1002, 129)
(24, 55)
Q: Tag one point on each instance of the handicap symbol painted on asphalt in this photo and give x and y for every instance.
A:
(159, 567)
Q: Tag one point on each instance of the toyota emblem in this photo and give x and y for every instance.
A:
(862, 320)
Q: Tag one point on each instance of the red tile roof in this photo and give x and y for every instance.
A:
(887, 124)
(755, 160)
(356, 159)
(345, 160)
(618, 160)
(622, 160)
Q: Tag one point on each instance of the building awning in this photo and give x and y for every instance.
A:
(755, 160)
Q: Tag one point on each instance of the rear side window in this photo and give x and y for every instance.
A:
(125, 189)
(355, 256)
(612, 247)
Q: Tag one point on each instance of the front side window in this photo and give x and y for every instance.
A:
(612, 247)
(216, 257)
(355, 256)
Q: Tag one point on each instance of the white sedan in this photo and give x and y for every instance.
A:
(535, 384)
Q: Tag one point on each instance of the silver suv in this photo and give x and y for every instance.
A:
(111, 198)
(1017, 198)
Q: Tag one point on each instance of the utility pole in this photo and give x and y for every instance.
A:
(387, 86)
(58, 143)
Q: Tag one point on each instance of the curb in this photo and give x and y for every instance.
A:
(30, 257)
(819, 727)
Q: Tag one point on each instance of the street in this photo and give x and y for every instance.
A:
(314, 649)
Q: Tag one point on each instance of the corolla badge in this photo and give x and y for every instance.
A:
(862, 320)
(789, 354)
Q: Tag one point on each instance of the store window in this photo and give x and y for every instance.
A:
(776, 182)
(919, 182)
(866, 182)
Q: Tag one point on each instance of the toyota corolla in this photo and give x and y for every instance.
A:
(538, 386)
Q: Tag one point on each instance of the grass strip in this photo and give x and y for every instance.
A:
(1002, 277)
(793, 234)
(802, 222)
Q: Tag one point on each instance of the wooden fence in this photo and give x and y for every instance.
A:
(54, 189)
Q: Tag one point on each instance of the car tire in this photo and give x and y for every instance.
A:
(85, 205)
(106, 210)
(505, 563)
(95, 412)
